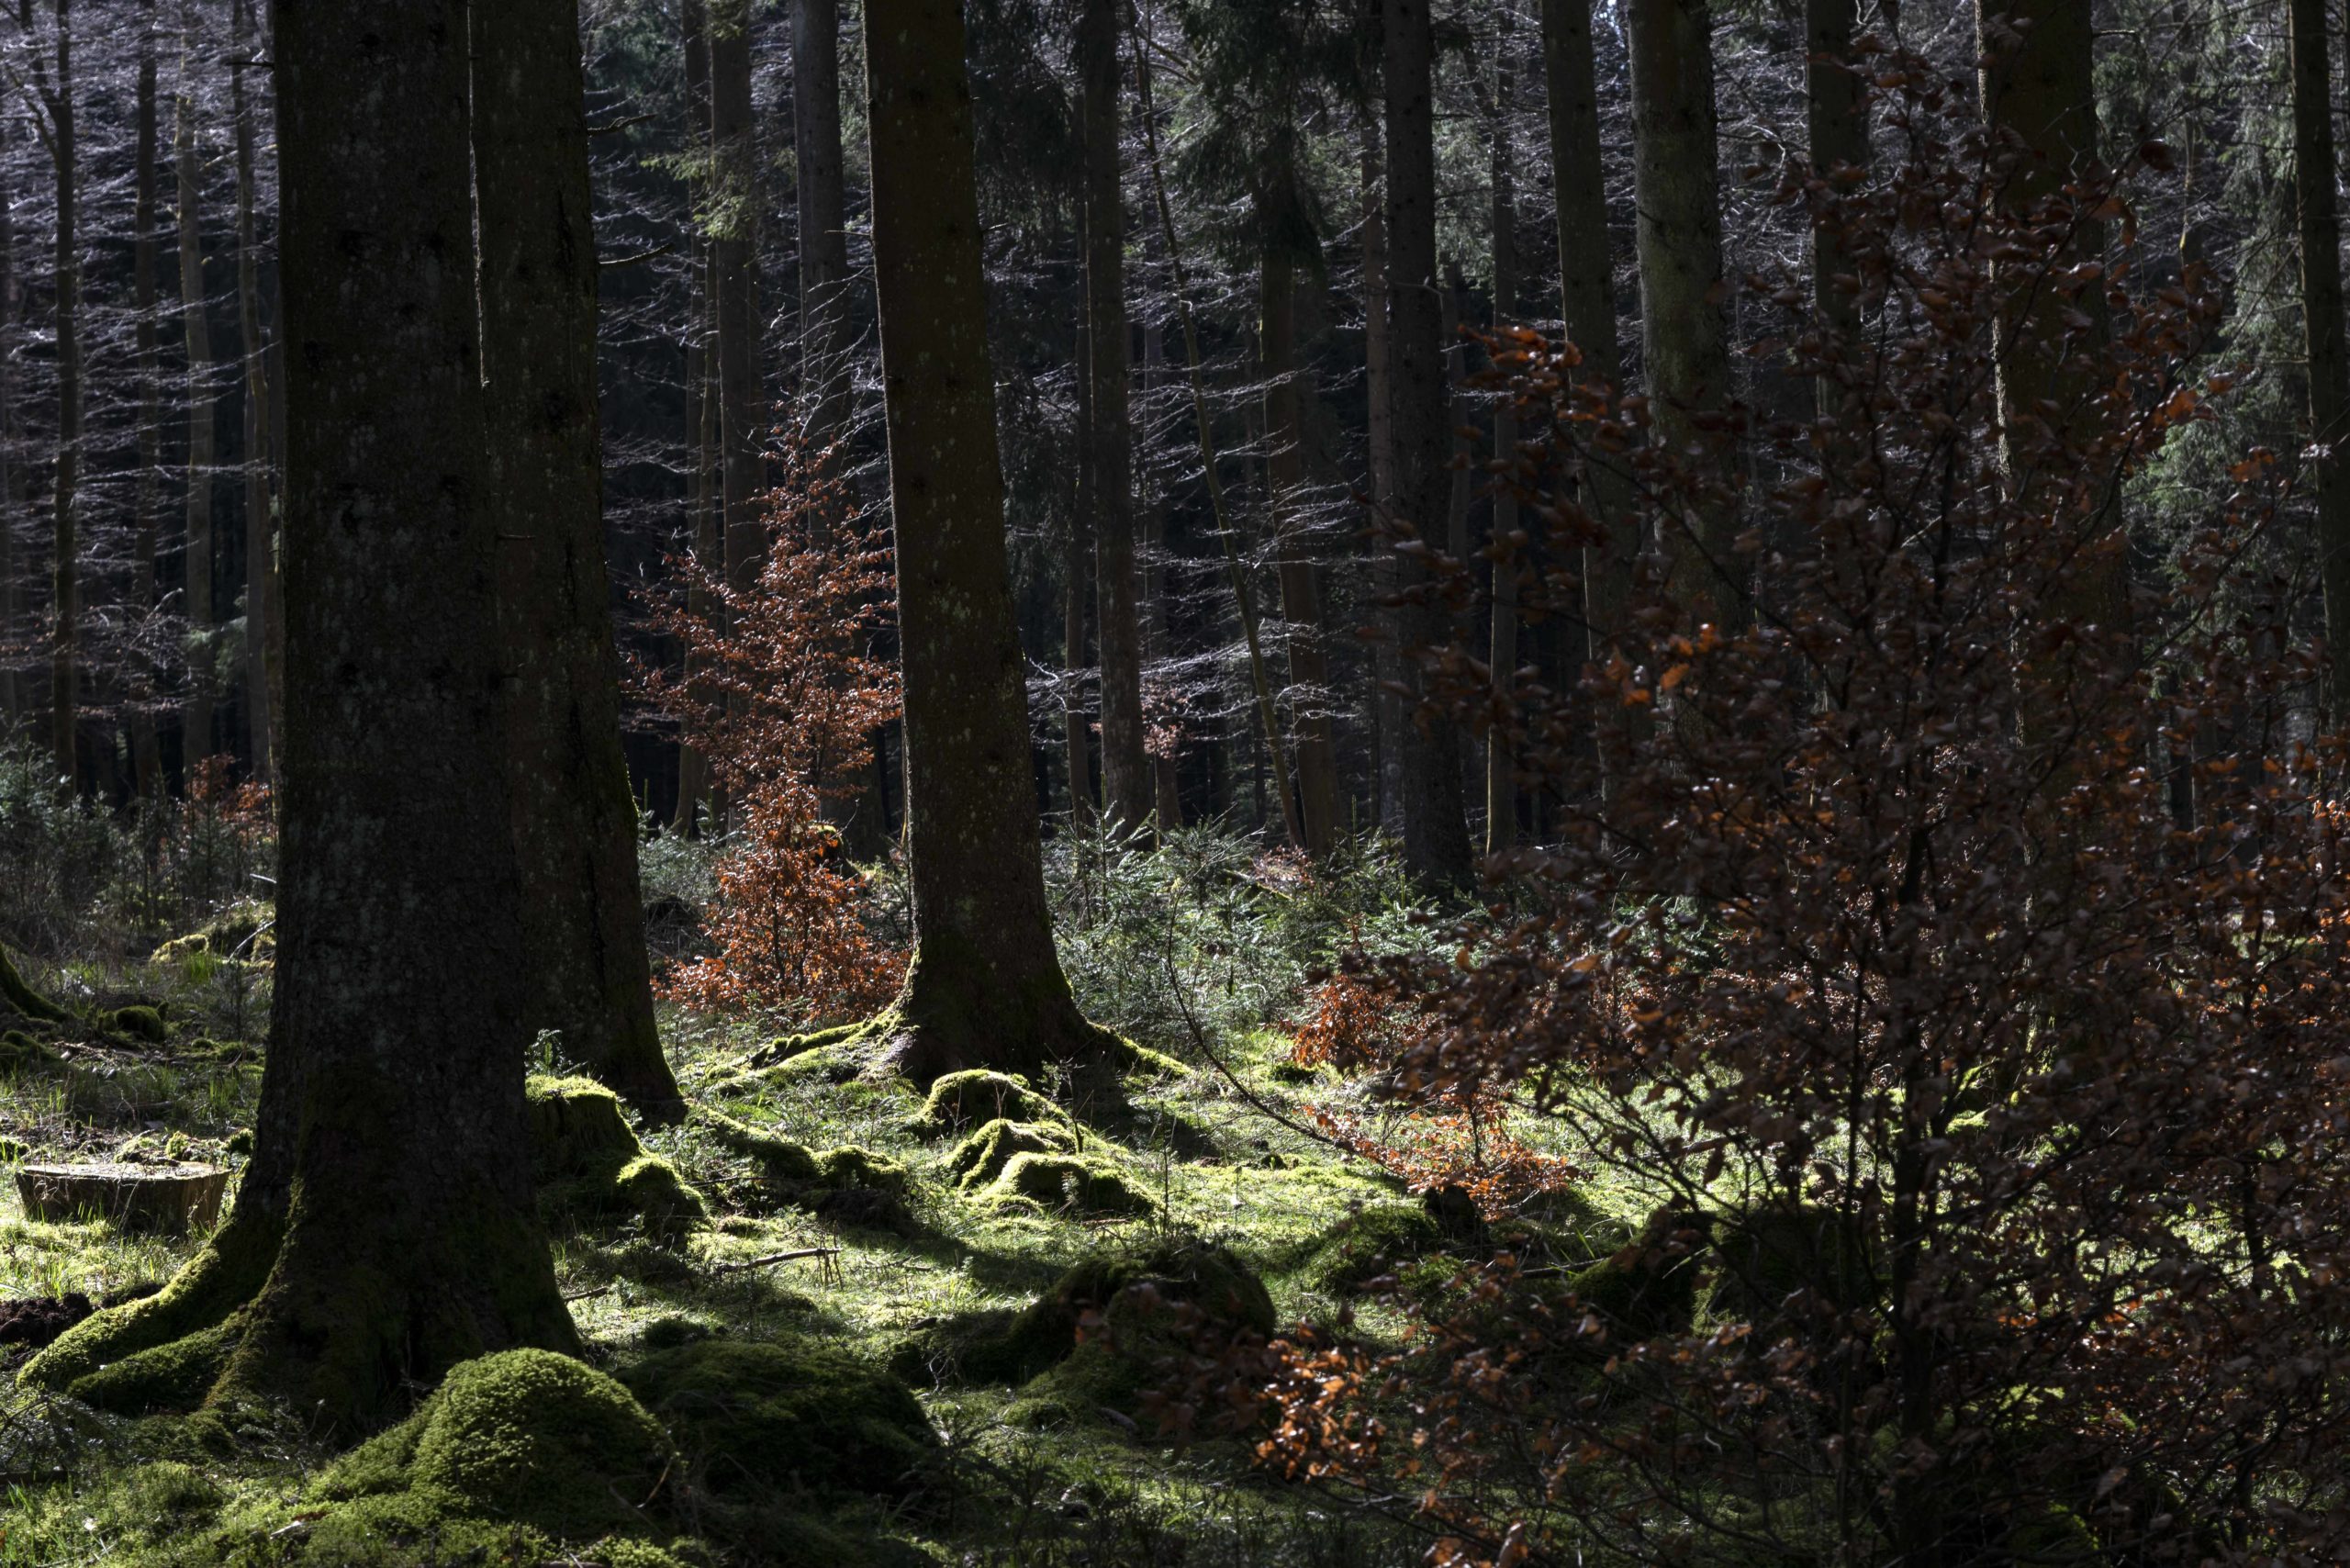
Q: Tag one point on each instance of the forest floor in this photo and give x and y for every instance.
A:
(887, 1254)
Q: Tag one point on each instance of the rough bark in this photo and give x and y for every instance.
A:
(385, 1228)
(1587, 297)
(824, 238)
(1166, 783)
(2321, 326)
(64, 583)
(146, 758)
(1125, 770)
(12, 699)
(735, 253)
(1501, 650)
(985, 987)
(1684, 334)
(1839, 148)
(196, 328)
(1077, 748)
(1379, 382)
(260, 544)
(1436, 829)
(573, 817)
(1309, 665)
(702, 524)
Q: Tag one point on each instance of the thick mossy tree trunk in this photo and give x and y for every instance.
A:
(574, 820)
(386, 1229)
(986, 987)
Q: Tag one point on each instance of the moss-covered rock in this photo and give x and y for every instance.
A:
(1069, 1183)
(849, 1184)
(961, 1100)
(1096, 1338)
(242, 930)
(1374, 1240)
(142, 1023)
(1650, 1288)
(981, 1157)
(588, 1162)
(20, 998)
(782, 1416)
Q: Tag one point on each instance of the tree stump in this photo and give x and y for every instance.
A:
(158, 1197)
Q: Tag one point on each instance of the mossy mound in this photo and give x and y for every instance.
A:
(1096, 1338)
(1372, 1241)
(786, 1416)
(142, 1022)
(588, 1161)
(1650, 1288)
(240, 930)
(981, 1157)
(1069, 1183)
(965, 1099)
(19, 1052)
(525, 1436)
(22, 999)
(848, 1184)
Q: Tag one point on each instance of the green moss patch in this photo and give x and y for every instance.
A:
(20, 998)
(1374, 1241)
(1069, 1183)
(967, 1099)
(981, 1157)
(771, 1416)
(19, 1052)
(850, 1183)
(1650, 1287)
(142, 1023)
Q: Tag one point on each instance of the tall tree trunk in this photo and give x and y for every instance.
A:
(1309, 666)
(11, 697)
(1156, 633)
(65, 584)
(1436, 830)
(1501, 651)
(1126, 769)
(2322, 329)
(823, 236)
(734, 200)
(1839, 142)
(702, 524)
(1076, 751)
(986, 985)
(1388, 716)
(1684, 334)
(1587, 297)
(198, 327)
(2039, 87)
(573, 817)
(261, 540)
(146, 759)
(392, 1102)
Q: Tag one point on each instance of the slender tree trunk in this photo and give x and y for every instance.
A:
(1125, 770)
(734, 200)
(261, 540)
(392, 1102)
(12, 699)
(986, 985)
(1684, 335)
(1309, 666)
(2039, 87)
(1501, 653)
(1379, 378)
(2322, 327)
(1587, 297)
(65, 585)
(1156, 630)
(573, 817)
(1840, 142)
(146, 759)
(823, 237)
(1077, 749)
(198, 327)
(1436, 830)
(702, 524)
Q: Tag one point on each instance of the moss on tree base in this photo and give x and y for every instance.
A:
(22, 999)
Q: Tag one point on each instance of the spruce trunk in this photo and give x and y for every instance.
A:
(386, 1229)
(573, 817)
(986, 987)
(197, 328)
(1309, 665)
(2322, 327)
